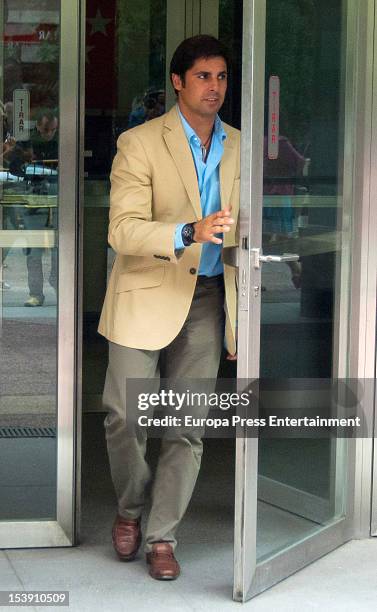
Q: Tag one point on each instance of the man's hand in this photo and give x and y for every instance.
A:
(8, 145)
(217, 223)
(231, 357)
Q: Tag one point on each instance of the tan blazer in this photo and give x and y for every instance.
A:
(154, 187)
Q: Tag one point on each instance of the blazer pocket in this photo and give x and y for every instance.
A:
(141, 279)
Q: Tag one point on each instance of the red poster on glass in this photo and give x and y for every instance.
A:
(273, 117)
(100, 76)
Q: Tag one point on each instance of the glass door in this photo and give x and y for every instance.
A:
(129, 44)
(294, 485)
(38, 192)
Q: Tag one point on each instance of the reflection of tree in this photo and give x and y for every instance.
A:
(41, 79)
(12, 51)
(38, 68)
(290, 54)
(45, 92)
(48, 51)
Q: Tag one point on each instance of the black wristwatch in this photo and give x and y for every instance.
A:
(188, 234)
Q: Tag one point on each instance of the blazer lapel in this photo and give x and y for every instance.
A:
(227, 171)
(180, 151)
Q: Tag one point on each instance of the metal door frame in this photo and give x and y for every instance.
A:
(368, 279)
(61, 532)
(251, 578)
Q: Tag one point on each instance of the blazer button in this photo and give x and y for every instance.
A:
(192, 270)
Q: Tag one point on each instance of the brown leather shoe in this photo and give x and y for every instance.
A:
(126, 535)
(163, 564)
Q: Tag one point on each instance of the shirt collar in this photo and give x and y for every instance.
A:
(190, 132)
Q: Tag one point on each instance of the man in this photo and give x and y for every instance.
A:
(174, 202)
(44, 148)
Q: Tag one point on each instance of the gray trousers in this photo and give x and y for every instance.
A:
(194, 353)
(35, 271)
(40, 218)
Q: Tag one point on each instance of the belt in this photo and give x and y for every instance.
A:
(217, 280)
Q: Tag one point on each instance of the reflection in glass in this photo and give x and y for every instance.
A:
(126, 45)
(302, 214)
(29, 260)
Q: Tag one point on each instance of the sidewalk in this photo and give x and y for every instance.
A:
(345, 580)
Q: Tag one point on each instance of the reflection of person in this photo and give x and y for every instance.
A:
(175, 181)
(44, 137)
(10, 216)
(6, 111)
(12, 79)
(278, 189)
(279, 180)
(44, 147)
(152, 106)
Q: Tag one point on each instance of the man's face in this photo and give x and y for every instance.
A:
(204, 87)
(47, 128)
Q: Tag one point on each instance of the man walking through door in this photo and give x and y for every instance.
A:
(170, 299)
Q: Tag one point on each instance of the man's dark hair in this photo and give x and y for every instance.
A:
(194, 48)
(49, 113)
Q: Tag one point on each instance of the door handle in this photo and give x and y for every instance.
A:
(259, 258)
(230, 256)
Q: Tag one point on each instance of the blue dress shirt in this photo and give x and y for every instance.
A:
(209, 189)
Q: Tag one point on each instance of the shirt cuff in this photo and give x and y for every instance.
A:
(178, 242)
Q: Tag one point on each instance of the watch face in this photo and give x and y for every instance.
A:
(187, 234)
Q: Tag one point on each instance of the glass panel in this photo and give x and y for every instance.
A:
(126, 45)
(230, 34)
(29, 259)
(133, 49)
(304, 303)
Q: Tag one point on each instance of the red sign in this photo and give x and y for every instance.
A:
(100, 75)
(273, 117)
(29, 33)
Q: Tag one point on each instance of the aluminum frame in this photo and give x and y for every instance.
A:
(24, 534)
(364, 260)
(175, 33)
(369, 278)
(251, 202)
(68, 249)
(209, 17)
(250, 577)
(1, 184)
(80, 269)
